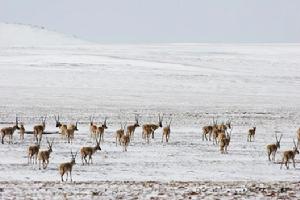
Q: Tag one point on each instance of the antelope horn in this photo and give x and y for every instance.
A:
(294, 143)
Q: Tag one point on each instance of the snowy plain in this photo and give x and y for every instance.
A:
(250, 84)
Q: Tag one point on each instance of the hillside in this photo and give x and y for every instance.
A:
(27, 35)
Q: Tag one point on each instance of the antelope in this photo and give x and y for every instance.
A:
(215, 131)
(147, 131)
(9, 131)
(166, 132)
(62, 127)
(215, 134)
(66, 168)
(39, 129)
(131, 128)
(272, 148)
(100, 130)
(222, 127)
(119, 134)
(33, 153)
(206, 130)
(224, 142)
(93, 128)
(89, 151)
(153, 127)
(73, 126)
(251, 134)
(289, 155)
(44, 156)
(125, 140)
(221, 135)
(70, 132)
(22, 132)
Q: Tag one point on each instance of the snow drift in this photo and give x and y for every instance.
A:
(28, 35)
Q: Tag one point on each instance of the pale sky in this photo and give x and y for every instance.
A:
(142, 21)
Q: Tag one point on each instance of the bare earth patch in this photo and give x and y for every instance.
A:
(149, 190)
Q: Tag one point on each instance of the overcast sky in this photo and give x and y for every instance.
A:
(162, 20)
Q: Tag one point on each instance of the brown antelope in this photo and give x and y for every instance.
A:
(67, 167)
(222, 127)
(131, 128)
(93, 128)
(44, 156)
(221, 135)
(147, 132)
(73, 126)
(119, 134)
(100, 130)
(125, 140)
(166, 132)
(272, 148)
(70, 132)
(215, 134)
(153, 127)
(38, 130)
(206, 130)
(251, 134)
(215, 131)
(224, 141)
(289, 155)
(9, 131)
(62, 127)
(22, 132)
(89, 151)
(33, 153)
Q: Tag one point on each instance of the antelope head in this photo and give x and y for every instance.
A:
(104, 123)
(16, 125)
(58, 124)
(73, 158)
(50, 145)
(97, 147)
(296, 151)
(136, 124)
(44, 121)
(228, 124)
(76, 128)
(215, 122)
(123, 127)
(278, 141)
(160, 119)
(169, 124)
(229, 134)
(91, 121)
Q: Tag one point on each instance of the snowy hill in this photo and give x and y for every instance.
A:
(27, 35)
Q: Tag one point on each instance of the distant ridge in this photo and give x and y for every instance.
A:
(30, 35)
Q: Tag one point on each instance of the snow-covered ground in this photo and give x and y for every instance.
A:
(251, 84)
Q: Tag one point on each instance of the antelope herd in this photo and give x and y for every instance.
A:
(218, 133)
